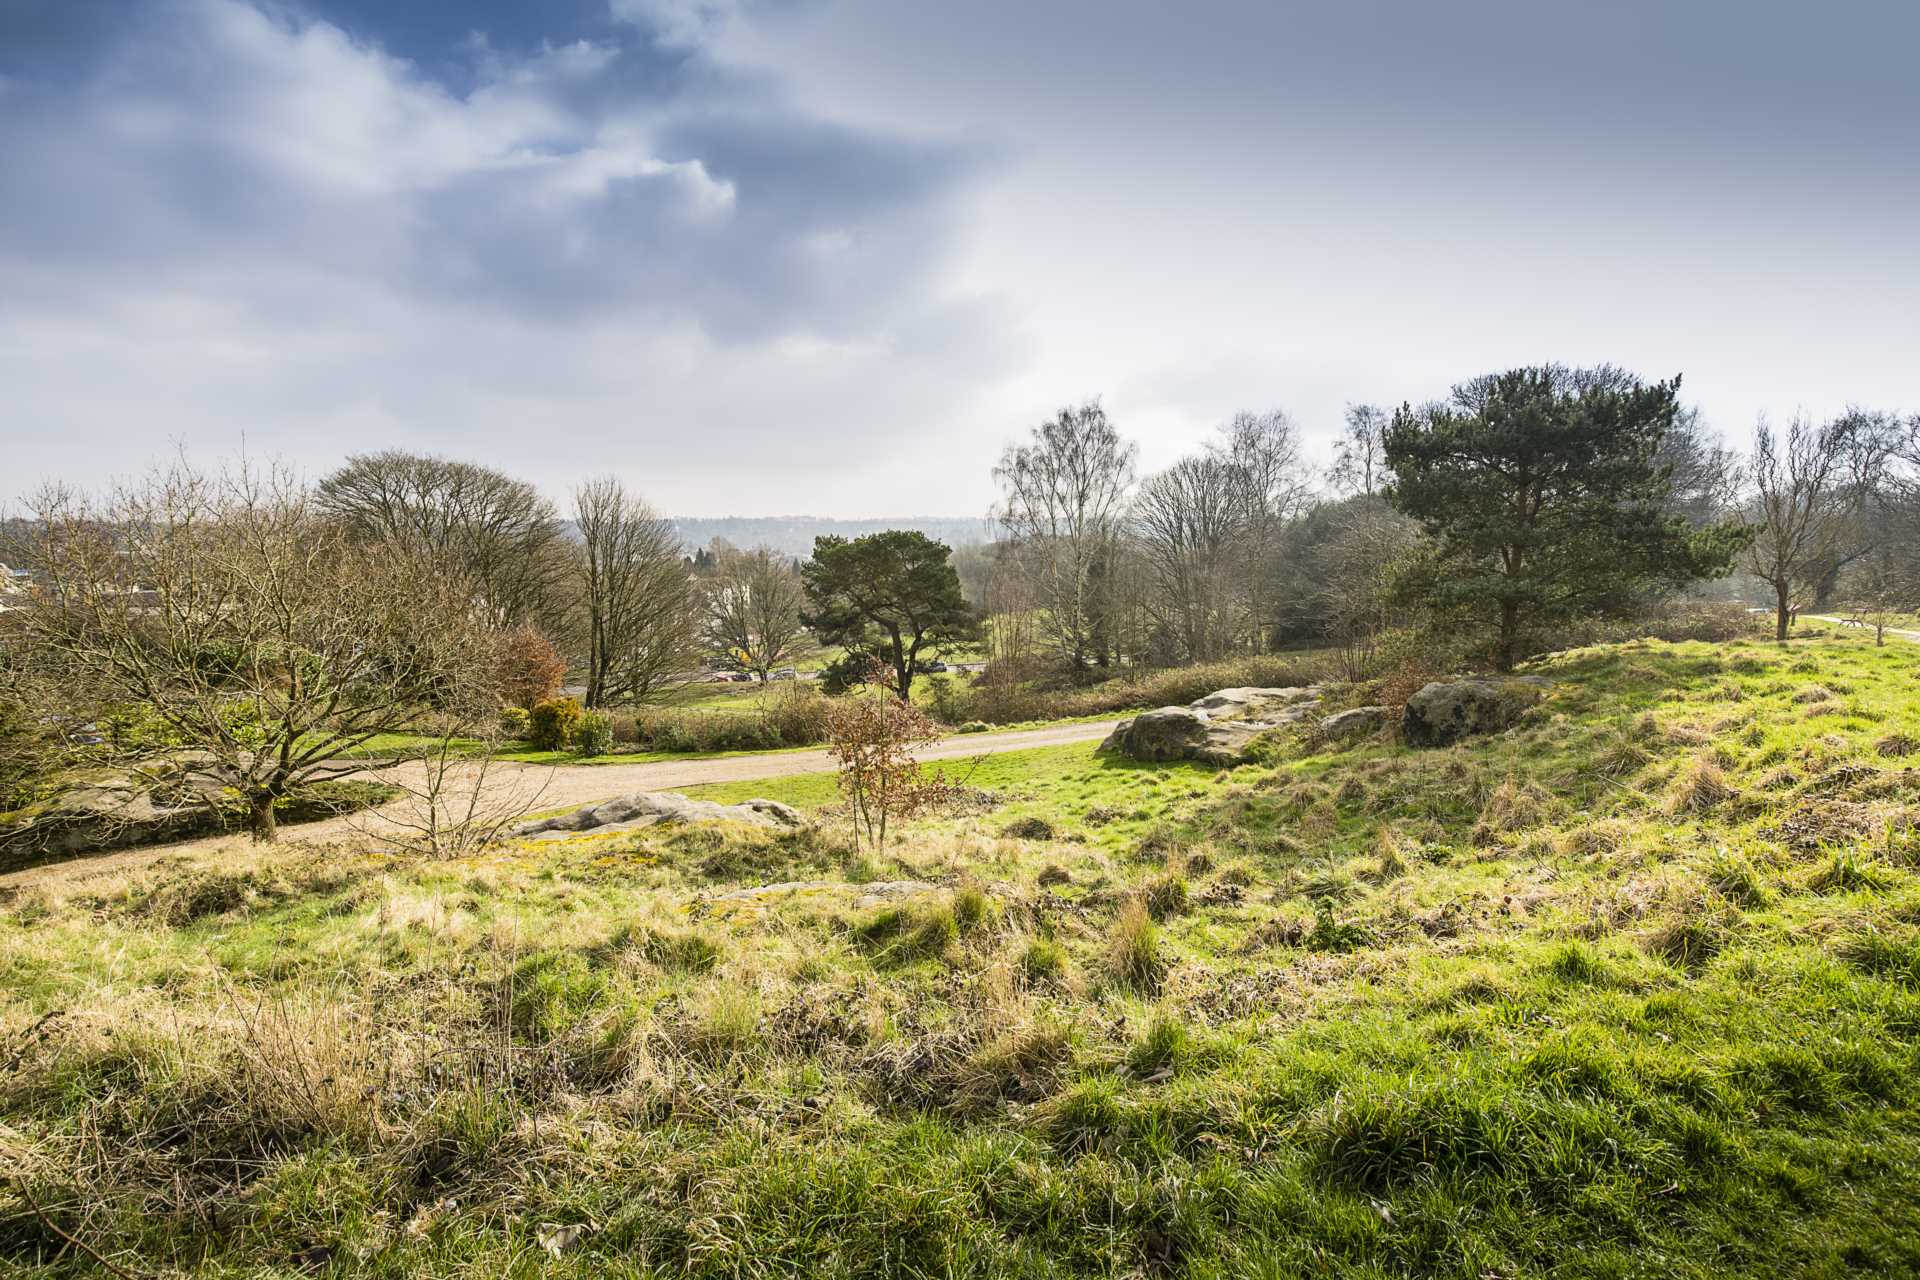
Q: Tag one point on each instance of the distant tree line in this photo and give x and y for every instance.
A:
(277, 627)
(1488, 521)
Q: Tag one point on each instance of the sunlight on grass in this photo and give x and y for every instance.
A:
(1633, 988)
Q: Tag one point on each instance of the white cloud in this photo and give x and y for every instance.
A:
(244, 223)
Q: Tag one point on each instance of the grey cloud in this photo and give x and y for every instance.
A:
(574, 182)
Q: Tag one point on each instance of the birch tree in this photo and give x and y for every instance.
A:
(1063, 504)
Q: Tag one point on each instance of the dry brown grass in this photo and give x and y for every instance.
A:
(1700, 786)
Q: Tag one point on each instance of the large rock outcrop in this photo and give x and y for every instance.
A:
(1252, 703)
(657, 808)
(164, 799)
(1216, 729)
(1446, 711)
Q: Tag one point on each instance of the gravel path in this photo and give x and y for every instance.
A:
(558, 787)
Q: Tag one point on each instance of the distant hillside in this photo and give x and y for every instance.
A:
(794, 535)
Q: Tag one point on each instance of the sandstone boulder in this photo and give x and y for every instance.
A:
(1446, 711)
(1251, 703)
(658, 808)
(1216, 729)
(1355, 721)
(1170, 733)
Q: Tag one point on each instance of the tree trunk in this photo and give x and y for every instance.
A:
(260, 820)
(1829, 583)
(1782, 612)
(1509, 635)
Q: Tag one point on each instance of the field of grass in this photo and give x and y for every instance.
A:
(1630, 990)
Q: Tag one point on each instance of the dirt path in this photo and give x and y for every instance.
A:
(1861, 626)
(556, 787)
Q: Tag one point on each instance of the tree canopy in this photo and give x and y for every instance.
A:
(893, 594)
(496, 531)
(1545, 496)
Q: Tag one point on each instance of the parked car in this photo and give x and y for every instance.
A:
(935, 665)
(783, 673)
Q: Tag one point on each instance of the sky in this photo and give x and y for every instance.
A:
(764, 257)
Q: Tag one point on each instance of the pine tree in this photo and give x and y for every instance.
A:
(1545, 497)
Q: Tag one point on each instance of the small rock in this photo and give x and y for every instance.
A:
(864, 895)
(659, 808)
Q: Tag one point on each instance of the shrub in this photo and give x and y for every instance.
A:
(515, 723)
(554, 724)
(797, 716)
(528, 668)
(593, 736)
(873, 738)
(943, 700)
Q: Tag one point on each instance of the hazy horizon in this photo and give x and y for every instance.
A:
(740, 251)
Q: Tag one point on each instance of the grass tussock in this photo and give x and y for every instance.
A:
(1135, 955)
(1701, 785)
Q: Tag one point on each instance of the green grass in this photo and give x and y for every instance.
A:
(1106, 801)
(1631, 990)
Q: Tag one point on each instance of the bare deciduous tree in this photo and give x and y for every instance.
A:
(456, 800)
(751, 606)
(497, 532)
(1806, 492)
(1188, 521)
(1269, 487)
(637, 597)
(1358, 568)
(1360, 456)
(1704, 474)
(1063, 504)
(259, 633)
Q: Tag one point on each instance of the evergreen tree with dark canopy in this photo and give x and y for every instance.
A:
(1545, 496)
(893, 595)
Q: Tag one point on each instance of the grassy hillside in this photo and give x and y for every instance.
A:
(1633, 989)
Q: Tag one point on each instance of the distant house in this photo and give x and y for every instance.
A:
(12, 582)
